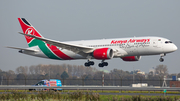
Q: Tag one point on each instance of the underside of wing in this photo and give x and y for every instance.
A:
(72, 47)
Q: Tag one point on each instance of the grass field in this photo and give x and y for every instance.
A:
(106, 91)
(79, 96)
(127, 91)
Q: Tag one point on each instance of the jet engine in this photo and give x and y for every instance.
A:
(103, 53)
(131, 58)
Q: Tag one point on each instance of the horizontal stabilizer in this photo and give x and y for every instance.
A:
(26, 49)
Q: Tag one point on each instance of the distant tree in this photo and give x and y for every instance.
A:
(70, 69)
(58, 76)
(32, 69)
(98, 75)
(1, 70)
(88, 77)
(161, 70)
(178, 75)
(24, 71)
(150, 73)
(64, 75)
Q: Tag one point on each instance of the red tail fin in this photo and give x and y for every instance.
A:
(28, 29)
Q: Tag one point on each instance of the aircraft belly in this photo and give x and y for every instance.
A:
(132, 51)
(72, 54)
(37, 54)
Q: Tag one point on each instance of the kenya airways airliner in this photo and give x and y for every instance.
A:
(128, 49)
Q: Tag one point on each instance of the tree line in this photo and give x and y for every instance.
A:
(81, 75)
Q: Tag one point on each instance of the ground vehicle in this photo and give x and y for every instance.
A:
(45, 83)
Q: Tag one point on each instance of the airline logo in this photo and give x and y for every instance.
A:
(30, 32)
(129, 41)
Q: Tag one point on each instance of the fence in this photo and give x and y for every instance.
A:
(83, 82)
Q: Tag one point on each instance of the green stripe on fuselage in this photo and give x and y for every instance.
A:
(43, 47)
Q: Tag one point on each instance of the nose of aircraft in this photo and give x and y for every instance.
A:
(174, 47)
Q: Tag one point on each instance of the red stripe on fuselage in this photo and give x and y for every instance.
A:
(60, 54)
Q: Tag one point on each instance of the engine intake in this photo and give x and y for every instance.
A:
(103, 53)
(131, 58)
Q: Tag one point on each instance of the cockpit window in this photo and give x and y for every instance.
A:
(168, 42)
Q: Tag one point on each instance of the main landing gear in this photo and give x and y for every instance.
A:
(103, 64)
(91, 63)
(161, 58)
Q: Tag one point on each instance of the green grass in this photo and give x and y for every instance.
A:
(79, 96)
(107, 91)
(123, 91)
(138, 98)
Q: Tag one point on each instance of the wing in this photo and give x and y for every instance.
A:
(72, 47)
(26, 49)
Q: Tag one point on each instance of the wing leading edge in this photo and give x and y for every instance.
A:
(64, 45)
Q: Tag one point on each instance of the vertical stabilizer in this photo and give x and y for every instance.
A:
(29, 29)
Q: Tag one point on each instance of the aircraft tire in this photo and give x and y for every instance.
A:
(101, 65)
(161, 59)
(105, 63)
(91, 63)
(87, 64)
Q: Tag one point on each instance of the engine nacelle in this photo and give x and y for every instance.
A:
(103, 53)
(131, 58)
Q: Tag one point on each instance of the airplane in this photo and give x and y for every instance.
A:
(128, 49)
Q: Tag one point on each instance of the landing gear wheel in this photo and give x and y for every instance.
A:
(101, 65)
(91, 63)
(161, 59)
(105, 63)
(87, 64)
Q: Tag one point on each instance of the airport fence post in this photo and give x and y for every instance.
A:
(83, 77)
(121, 81)
(160, 81)
(7, 80)
(103, 78)
(121, 77)
(25, 80)
(121, 84)
(63, 81)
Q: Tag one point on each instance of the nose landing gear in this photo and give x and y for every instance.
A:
(161, 58)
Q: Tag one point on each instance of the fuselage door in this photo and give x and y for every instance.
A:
(155, 43)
